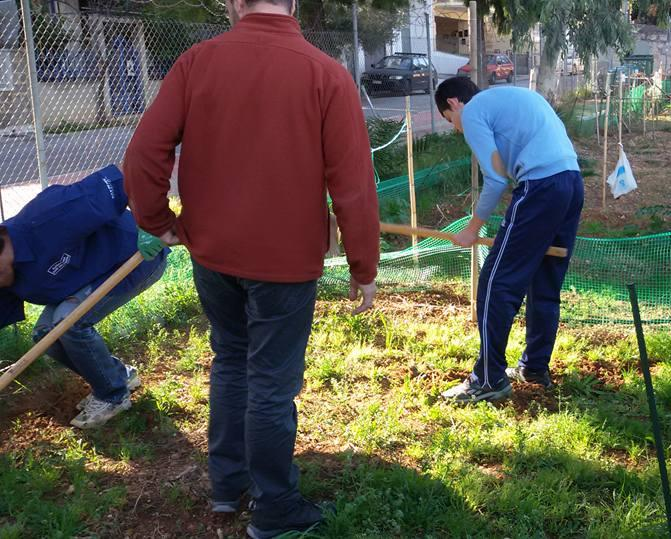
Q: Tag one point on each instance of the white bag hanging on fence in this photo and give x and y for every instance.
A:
(622, 180)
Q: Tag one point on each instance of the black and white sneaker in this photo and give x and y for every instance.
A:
(470, 391)
(225, 507)
(527, 376)
(303, 517)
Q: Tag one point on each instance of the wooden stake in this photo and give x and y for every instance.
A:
(605, 145)
(411, 169)
(653, 104)
(619, 122)
(645, 106)
(475, 187)
(596, 118)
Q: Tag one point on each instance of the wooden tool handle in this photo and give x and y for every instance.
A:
(65, 324)
(406, 230)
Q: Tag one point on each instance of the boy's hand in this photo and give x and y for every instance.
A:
(465, 238)
(469, 235)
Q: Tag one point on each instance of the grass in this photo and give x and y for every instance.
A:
(374, 436)
(428, 150)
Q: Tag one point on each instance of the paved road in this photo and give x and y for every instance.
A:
(68, 155)
(393, 106)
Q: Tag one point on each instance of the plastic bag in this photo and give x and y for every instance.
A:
(622, 180)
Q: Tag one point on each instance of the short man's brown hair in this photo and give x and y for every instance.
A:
(286, 3)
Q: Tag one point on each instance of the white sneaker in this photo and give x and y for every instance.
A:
(97, 412)
(132, 384)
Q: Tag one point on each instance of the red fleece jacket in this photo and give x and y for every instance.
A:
(267, 124)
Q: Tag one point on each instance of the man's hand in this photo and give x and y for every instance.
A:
(170, 238)
(367, 294)
(149, 246)
(469, 235)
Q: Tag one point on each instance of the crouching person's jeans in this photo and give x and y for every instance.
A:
(82, 349)
(259, 334)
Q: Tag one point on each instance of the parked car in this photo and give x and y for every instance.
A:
(498, 67)
(400, 72)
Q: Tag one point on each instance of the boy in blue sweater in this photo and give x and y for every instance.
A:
(55, 252)
(514, 133)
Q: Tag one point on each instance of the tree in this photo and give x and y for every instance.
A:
(651, 12)
(377, 27)
(204, 11)
(330, 14)
(591, 26)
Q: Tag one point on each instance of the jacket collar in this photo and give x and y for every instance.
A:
(269, 22)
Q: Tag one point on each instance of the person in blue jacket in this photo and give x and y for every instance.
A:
(515, 134)
(55, 252)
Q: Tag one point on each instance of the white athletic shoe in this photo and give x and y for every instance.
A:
(132, 384)
(97, 413)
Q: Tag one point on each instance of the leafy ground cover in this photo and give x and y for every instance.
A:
(375, 437)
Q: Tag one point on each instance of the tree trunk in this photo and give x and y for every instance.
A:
(547, 75)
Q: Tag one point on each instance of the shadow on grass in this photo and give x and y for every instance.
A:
(377, 498)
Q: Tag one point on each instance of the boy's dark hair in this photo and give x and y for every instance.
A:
(2, 240)
(462, 88)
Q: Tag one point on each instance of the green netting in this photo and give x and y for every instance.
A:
(634, 101)
(398, 188)
(595, 287)
(580, 115)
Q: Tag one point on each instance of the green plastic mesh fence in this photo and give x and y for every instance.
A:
(580, 115)
(595, 287)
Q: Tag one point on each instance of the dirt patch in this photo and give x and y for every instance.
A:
(45, 400)
(531, 399)
(648, 156)
(607, 375)
(169, 498)
(601, 335)
(439, 301)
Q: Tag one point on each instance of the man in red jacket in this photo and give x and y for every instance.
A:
(267, 125)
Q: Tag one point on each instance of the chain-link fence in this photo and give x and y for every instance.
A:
(71, 97)
(71, 101)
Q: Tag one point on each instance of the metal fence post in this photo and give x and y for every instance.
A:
(34, 93)
(355, 29)
(431, 79)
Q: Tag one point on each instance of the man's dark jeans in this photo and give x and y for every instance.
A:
(259, 334)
